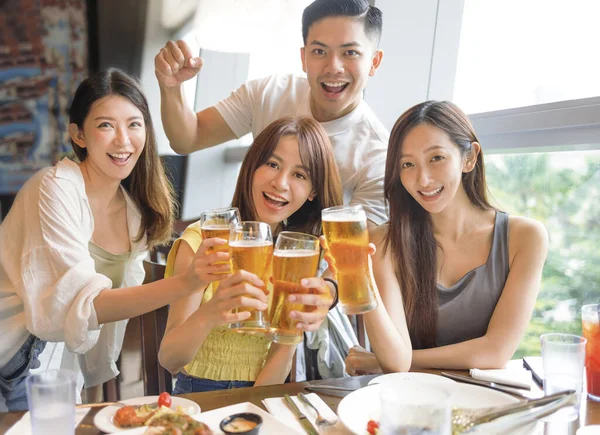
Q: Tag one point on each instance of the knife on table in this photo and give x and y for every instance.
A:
(306, 425)
(487, 384)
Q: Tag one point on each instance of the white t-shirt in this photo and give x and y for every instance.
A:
(48, 280)
(359, 140)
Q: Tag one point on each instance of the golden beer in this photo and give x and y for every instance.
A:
(221, 232)
(254, 256)
(348, 240)
(289, 268)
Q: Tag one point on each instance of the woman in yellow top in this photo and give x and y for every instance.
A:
(288, 176)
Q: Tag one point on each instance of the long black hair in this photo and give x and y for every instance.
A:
(410, 231)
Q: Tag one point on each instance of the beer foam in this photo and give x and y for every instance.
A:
(345, 217)
(294, 253)
(215, 227)
(249, 243)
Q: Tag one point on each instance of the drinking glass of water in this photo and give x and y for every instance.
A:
(414, 408)
(563, 356)
(51, 400)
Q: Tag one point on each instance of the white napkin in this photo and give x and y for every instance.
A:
(516, 377)
(280, 410)
(23, 426)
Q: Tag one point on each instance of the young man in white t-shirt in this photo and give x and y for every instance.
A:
(340, 53)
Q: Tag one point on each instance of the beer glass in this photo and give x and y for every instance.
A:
(345, 230)
(296, 256)
(251, 249)
(217, 223)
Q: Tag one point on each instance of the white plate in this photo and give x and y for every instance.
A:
(270, 426)
(357, 408)
(103, 420)
(409, 376)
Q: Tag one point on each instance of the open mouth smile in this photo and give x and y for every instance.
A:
(275, 200)
(334, 87)
(431, 194)
(120, 158)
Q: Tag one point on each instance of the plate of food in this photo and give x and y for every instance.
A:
(141, 412)
(169, 422)
(360, 410)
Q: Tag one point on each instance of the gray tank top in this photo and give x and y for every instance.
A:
(465, 309)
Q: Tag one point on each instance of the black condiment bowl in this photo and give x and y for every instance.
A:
(246, 416)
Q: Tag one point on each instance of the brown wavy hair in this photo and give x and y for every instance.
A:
(316, 155)
(147, 184)
(410, 230)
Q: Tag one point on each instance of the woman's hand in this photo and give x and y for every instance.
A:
(327, 256)
(361, 362)
(202, 270)
(240, 290)
(317, 304)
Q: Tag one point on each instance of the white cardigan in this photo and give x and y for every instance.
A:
(48, 280)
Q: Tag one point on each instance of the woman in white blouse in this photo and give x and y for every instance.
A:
(72, 246)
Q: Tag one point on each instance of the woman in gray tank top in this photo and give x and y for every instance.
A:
(458, 279)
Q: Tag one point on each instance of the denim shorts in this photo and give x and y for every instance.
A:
(188, 384)
(13, 396)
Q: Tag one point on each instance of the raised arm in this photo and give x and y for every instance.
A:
(386, 325)
(277, 365)
(187, 131)
(69, 298)
(528, 247)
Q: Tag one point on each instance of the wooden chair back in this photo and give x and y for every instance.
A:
(153, 325)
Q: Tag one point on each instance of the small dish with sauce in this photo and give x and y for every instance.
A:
(245, 423)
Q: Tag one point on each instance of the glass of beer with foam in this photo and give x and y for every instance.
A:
(296, 256)
(251, 249)
(345, 230)
(217, 223)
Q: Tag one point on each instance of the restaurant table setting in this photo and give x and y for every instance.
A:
(425, 403)
(281, 407)
(361, 402)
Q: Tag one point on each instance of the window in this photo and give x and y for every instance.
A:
(516, 53)
(562, 190)
(527, 73)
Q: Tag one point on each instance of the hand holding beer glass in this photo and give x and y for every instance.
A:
(296, 257)
(251, 249)
(217, 223)
(347, 239)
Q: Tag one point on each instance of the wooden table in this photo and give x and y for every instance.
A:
(590, 410)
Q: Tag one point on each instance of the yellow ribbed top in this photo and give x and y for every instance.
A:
(225, 355)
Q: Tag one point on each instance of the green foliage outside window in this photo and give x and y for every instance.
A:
(562, 190)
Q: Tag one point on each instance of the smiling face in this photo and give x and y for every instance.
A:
(338, 59)
(114, 135)
(282, 185)
(431, 167)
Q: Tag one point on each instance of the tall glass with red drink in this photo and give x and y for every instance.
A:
(590, 319)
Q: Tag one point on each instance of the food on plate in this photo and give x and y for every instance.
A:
(246, 423)
(133, 416)
(373, 427)
(147, 414)
(168, 422)
(239, 425)
(164, 400)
